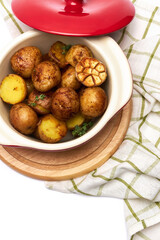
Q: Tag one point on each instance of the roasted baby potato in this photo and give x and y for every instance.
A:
(69, 79)
(30, 86)
(91, 72)
(57, 52)
(50, 129)
(40, 102)
(76, 120)
(65, 103)
(36, 134)
(25, 59)
(13, 89)
(76, 53)
(93, 102)
(23, 118)
(46, 57)
(45, 76)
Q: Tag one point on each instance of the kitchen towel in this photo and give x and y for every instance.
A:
(133, 172)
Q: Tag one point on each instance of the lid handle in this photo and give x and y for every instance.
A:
(74, 2)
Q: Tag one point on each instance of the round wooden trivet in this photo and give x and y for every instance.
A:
(72, 163)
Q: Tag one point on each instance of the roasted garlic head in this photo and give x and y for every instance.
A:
(91, 72)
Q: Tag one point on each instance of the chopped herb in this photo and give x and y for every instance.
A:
(40, 97)
(90, 124)
(36, 98)
(32, 104)
(79, 131)
(66, 48)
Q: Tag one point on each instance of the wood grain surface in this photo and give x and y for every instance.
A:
(73, 163)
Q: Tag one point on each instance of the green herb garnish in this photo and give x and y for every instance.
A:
(40, 97)
(65, 49)
(32, 104)
(36, 98)
(79, 131)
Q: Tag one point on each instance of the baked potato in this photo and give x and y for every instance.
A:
(41, 103)
(65, 103)
(13, 89)
(23, 118)
(76, 120)
(76, 53)
(36, 133)
(93, 102)
(25, 59)
(90, 72)
(46, 57)
(50, 129)
(69, 79)
(45, 76)
(30, 86)
(57, 52)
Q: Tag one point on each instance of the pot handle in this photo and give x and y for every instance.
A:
(6, 139)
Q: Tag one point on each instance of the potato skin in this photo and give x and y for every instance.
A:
(76, 53)
(30, 86)
(57, 53)
(69, 79)
(93, 102)
(50, 129)
(65, 103)
(45, 76)
(25, 59)
(36, 134)
(46, 57)
(41, 103)
(13, 89)
(23, 118)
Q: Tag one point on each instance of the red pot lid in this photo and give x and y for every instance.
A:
(75, 17)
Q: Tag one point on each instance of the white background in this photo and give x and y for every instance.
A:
(29, 211)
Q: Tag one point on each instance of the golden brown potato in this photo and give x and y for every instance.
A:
(57, 52)
(93, 102)
(23, 118)
(91, 72)
(76, 120)
(45, 76)
(46, 57)
(25, 59)
(50, 129)
(40, 102)
(76, 53)
(69, 79)
(30, 86)
(36, 133)
(13, 89)
(65, 103)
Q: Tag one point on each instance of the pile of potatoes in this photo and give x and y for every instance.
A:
(52, 93)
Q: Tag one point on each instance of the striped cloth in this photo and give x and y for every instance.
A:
(133, 172)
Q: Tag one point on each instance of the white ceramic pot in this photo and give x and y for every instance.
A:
(118, 85)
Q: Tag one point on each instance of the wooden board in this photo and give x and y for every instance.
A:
(72, 163)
